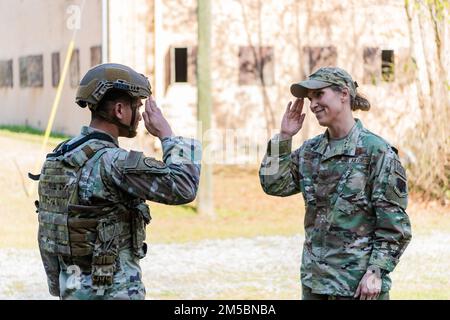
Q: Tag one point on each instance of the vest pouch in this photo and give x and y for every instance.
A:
(106, 251)
(139, 219)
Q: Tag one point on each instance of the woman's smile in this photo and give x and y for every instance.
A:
(318, 111)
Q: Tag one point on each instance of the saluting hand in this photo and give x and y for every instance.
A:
(292, 119)
(154, 121)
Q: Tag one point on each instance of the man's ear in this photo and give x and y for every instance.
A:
(118, 109)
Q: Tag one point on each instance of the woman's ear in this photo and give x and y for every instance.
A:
(345, 95)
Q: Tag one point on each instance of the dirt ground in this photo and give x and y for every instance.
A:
(250, 250)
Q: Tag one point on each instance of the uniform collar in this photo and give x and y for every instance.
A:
(345, 147)
(85, 130)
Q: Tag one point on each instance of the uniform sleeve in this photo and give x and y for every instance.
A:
(171, 181)
(278, 173)
(389, 200)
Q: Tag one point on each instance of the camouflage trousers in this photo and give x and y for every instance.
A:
(308, 295)
(127, 282)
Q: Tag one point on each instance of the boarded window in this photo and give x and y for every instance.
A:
(31, 71)
(256, 65)
(6, 73)
(372, 66)
(318, 57)
(387, 65)
(406, 67)
(75, 68)
(96, 55)
(55, 69)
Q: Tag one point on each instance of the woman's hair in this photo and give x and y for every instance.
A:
(359, 102)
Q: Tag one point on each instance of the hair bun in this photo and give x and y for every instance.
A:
(360, 103)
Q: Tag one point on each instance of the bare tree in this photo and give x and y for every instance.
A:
(427, 25)
(259, 61)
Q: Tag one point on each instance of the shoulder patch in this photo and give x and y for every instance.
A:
(136, 162)
(397, 186)
(153, 163)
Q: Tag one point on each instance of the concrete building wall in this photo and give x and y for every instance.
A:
(42, 28)
(288, 27)
(144, 33)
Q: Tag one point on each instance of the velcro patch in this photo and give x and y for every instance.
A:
(398, 168)
(132, 160)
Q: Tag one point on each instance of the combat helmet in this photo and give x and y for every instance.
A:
(103, 77)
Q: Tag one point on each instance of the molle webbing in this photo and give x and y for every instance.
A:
(58, 187)
(84, 232)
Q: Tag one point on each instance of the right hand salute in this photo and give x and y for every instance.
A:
(155, 123)
(292, 119)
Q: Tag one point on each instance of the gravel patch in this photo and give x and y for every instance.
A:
(238, 268)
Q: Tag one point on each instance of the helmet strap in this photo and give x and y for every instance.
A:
(131, 132)
(114, 120)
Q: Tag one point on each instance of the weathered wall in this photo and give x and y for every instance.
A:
(289, 26)
(40, 28)
(142, 32)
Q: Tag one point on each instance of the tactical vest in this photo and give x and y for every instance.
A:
(78, 233)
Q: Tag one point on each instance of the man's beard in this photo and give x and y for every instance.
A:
(132, 133)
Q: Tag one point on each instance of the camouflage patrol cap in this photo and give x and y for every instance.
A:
(324, 77)
(103, 77)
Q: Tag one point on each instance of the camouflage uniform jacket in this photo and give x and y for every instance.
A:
(355, 196)
(118, 176)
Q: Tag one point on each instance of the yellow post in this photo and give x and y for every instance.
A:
(55, 105)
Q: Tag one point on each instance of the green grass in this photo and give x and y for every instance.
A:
(31, 130)
(31, 135)
(178, 224)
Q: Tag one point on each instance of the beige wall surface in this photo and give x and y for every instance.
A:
(142, 32)
(41, 28)
(288, 26)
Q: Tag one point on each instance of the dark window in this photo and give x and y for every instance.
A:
(75, 68)
(55, 69)
(6, 73)
(181, 63)
(318, 57)
(372, 69)
(96, 55)
(256, 65)
(31, 71)
(387, 65)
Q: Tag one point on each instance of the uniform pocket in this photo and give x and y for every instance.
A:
(355, 178)
(352, 216)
